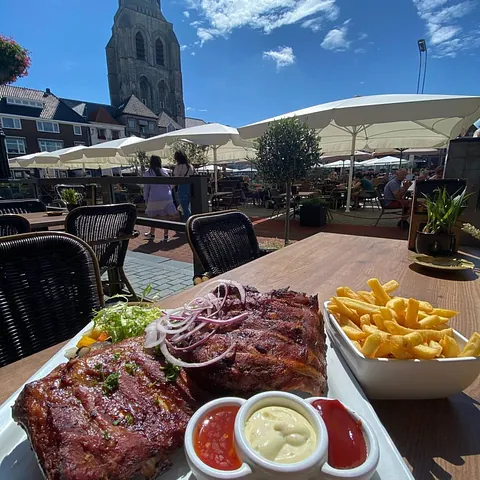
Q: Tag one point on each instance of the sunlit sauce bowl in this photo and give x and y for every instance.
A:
(364, 471)
(201, 470)
(308, 468)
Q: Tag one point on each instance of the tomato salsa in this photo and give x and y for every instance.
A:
(213, 439)
(346, 444)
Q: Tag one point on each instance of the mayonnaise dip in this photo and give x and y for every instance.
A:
(280, 434)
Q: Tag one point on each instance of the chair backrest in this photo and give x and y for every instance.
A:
(13, 225)
(222, 241)
(49, 288)
(21, 206)
(106, 228)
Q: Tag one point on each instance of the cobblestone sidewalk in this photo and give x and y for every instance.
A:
(166, 276)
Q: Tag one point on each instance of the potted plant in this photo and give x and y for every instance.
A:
(437, 237)
(14, 60)
(71, 197)
(313, 212)
(288, 150)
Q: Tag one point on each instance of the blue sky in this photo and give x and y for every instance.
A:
(246, 60)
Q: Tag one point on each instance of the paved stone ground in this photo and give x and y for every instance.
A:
(166, 276)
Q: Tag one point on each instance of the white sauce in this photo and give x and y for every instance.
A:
(280, 435)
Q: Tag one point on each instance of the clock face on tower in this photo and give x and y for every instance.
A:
(143, 59)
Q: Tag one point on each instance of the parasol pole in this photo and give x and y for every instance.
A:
(215, 168)
(350, 173)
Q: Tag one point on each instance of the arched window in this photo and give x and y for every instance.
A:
(140, 46)
(162, 95)
(145, 92)
(159, 52)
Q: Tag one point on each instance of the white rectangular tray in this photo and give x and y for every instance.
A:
(18, 462)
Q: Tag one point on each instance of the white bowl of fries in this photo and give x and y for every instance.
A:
(400, 348)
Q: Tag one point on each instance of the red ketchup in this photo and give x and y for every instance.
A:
(346, 444)
(213, 439)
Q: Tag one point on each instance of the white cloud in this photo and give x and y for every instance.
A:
(186, 14)
(183, 47)
(283, 56)
(363, 36)
(192, 54)
(443, 32)
(359, 51)
(224, 16)
(313, 23)
(336, 39)
(202, 110)
(189, 109)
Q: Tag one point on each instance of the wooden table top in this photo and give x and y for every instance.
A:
(438, 438)
(40, 220)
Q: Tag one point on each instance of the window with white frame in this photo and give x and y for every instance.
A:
(78, 144)
(77, 130)
(15, 145)
(131, 123)
(25, 102)
(49, 145)
(50, 127)
(9, 122)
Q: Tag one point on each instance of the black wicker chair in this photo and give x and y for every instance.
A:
(107, 229)
(222, 241)
(13, 225)
(49, 288)
(21, 206)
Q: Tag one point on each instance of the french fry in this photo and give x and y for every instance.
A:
(366, 297)
(435, 335)
(372, 330)
(371, 345)
(386, 313)
(333, 308)
(472, 347)
(411, 313)
(380, 294)
(348, 292)
(361, 307)
(391, 286)
(354, 334)
(344, 310)
(365, 320)
(357, 345)
(427, 353)
(412, 340)
(341, 292)
(450, 348)
(430, 321)
(393, 345)
(379, 321)
(443, 312)
(425, 307)
(397, 304)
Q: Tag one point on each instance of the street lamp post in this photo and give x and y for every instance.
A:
(422, 49)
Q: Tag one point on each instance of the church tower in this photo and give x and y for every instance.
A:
(143, 59)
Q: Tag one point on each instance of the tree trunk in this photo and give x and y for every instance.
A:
(287, 213)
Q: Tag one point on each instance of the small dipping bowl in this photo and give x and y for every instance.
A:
(364, 471)
(256, 467)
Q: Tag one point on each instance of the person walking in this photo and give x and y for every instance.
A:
(158, 198)
(183, 169)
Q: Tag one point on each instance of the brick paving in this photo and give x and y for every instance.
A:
(166, 276)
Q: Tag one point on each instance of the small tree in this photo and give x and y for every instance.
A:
(140, 161)
(196, 154)
(286, 152)
(14, 60)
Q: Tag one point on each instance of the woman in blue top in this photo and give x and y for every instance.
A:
(183, 169)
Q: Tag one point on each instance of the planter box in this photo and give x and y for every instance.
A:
(313, 215)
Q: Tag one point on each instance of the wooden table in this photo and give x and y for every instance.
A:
(438, 438)
(40, 220)
(300, 194)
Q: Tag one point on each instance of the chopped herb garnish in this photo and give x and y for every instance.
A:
(98, 366)
(152, 384)
(129, 419)
(156, 400)
(116, 355)
(117, 421)
(106, 435)
(111, 383)
(171, 372)
(131, 368)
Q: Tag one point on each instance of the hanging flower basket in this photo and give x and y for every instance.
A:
(14, 60)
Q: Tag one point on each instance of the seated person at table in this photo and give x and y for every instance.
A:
(395, 191)
(361, 188)
(438, 174)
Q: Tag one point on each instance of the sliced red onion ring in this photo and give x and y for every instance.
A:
(215, 321)
(194, 345)
(180, 363)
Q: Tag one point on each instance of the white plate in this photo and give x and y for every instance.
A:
(18, 462)
(391, 379)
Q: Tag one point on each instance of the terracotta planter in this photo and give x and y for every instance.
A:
(435, 244)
